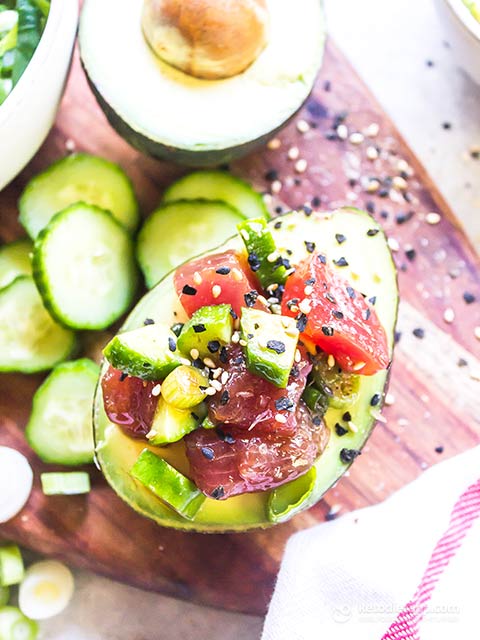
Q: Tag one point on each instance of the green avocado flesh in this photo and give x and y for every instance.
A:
(170, 114)
(371, 271)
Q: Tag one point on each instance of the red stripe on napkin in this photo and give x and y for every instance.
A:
(465, 512)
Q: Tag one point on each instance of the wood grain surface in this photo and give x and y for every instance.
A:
(433, 409)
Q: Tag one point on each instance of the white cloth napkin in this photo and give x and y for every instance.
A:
(350, 578)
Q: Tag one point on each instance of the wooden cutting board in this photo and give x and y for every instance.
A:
(435, 382)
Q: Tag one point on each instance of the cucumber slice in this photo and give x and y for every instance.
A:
(208, 329)
(30, 340)
(15, 260)
(178, 231)
(149, 353)
(218, 185)
(264, 259)
(11, 565)
(60, 426)
(168, 484)
(46, 590)
(16, 479)
(71, 483)
(84, 267)
(78, 178)
(14, 625)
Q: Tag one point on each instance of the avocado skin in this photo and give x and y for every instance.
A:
(194, 158)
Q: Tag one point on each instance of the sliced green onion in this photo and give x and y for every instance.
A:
(11, 565)
(168, 484)
(46, 589)
(67, 483)
(14, 625)
(184, 387)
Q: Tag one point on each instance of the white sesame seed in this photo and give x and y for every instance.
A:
(294, 308)
(476, 333)
(342, 131)
(303, 126)
(371, 153)
(293, 153)
(194, 353)
(353, 427)
(372, 186)
(433, 217)
(185, 361)
(276, 186)
(276, 309)
(334, 509)
(224, 377)
(308, 290)
(235, 337)
(304, 306)
(208, 362)
(216, 290)
(237, 274)
(274, 144)
(197, 278)
(156, 390)
(216, 385)
(298, 355)
(331, 361)
(217, 373)
(70, 145)
(372, 130)
(400, 183)
(393, 244)
(356, 138)
(267, 198)
(449, 315)
(301, 165)
(273, 256)
(389, 399)
(358, 366)
(404, 167)
(242, 342)
(280, 418)
(210, 391)
(374, 412)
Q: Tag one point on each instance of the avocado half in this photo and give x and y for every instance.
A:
(370, 269)
(171, 115)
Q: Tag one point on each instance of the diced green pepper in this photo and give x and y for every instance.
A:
(11, 565)
(185, 387)
(263, 257)
(207, 331)
(171, 424)
(69, 483)
(149, 353)
(208, 424)
(168, 484)
(290, 496)
(340, 387)
(315, 400)
(271, 344)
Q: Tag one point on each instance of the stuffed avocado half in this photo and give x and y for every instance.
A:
(203, 82)
(247, 332)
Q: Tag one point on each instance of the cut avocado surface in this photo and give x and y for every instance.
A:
(371, 271)
(169, 114)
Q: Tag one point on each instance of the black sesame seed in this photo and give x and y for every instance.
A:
(294, 371)
(276, 345)
(351, 293)
(251, 298)
(370, 206)
(307, 210)
(316, 201)
(278, 224)
(238, 360)
(341, 262)
(284, 404)
(223, 355)
(194, 416)
(396, 336)
(301, 322)
(224, 398)
(199, 328)
(401, 218)
(347, 416)
(322, 258)
(316, 109)
(372, 232)
(411, 254)
(349, 455)
(254, 261)
(372, 300)
(439, 449)
(384, 214)
(330, 298)
(327, 331)
(419, 333)
(271, 175)
(233, 314)
(208, 453)
(218, 492)
(383, 193)
(177, 328)
(339, 430)
(123, 376)
(375, 400)
(223, 271)
(317, 421)
(292, 302)
(340, 238)
(446, 125)
(461, 362)
(429, 63)
(278, 209)
(213, 346)
(148, 321)
(327, 86)
(469, 297)
(310, 281)
(310, 246)
(188, 290)
(337, 314)
(198, 364)
(367, 315)
(172, 345)
(330, 516)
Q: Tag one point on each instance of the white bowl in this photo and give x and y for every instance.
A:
(463, 34)
(28, 113)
